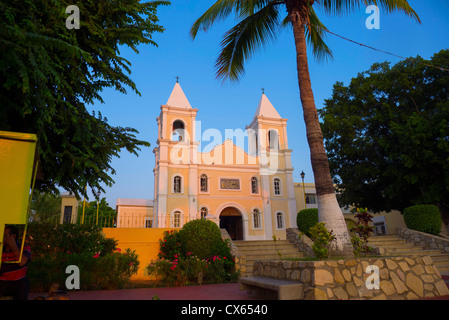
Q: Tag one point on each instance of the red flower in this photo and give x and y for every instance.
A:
(97, 255)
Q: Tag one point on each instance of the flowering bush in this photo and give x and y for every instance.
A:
(54, 247)
(193, 255)
(46, 238)
(190, 269)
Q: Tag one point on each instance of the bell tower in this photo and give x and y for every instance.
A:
(267, 135)
(175, 172)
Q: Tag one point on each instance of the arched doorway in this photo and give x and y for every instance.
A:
(231, 220)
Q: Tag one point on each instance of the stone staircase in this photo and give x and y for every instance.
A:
(259, 250)
(395, 246)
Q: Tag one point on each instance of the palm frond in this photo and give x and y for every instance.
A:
(338, 7)
(315, 31)
(223, 8)
(218, 11)
(240, 42)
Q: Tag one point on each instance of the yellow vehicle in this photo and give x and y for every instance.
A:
(18, 168)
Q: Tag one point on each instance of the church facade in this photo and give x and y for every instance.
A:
(249, 193)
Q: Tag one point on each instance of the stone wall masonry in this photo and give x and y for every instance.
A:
(424, 240)
(239, 259)
(400, 278)
(301, 241)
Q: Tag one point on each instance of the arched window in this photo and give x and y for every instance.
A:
(203, 183)
(279, 220)
(203, 212)
(273, 139)
(256, 219)
(252, 142)
(177, 183)
(254, 185)
(277, 186)
(177, 219)
(178, 133)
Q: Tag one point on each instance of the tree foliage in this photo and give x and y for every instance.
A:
(45, 206)
(50, 73)
(106, 215)
(387, 135)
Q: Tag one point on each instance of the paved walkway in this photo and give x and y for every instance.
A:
(229, 291)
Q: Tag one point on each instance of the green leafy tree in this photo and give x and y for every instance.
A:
(45, 206)
(107, 216)
(259, 22)
(387, 135)
(50, 73)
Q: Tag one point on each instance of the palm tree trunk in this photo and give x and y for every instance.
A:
(329, 210)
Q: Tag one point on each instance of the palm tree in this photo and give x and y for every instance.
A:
(260, 21)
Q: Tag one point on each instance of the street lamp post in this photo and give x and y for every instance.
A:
(98, 204)
(303, 188)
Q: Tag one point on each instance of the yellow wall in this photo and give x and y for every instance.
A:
(145, 241)
(133, 216)
(309, 188)
(69, 201)
(393, 219)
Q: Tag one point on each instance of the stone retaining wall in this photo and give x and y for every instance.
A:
(301, 241)
(239, 259)
(400, 278)
(425, 240)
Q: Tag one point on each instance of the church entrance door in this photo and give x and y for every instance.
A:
(231, 220)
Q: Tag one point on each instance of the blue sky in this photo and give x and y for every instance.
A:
(232, 105)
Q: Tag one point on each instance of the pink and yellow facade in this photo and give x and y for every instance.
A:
(249, 193)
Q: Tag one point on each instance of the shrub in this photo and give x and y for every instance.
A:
(170, 245)
(306, 219)
(363, 230)
(202, 238)
(54, 247)
(46, 238)
(424, 218)
(194, 254)
(322, 239)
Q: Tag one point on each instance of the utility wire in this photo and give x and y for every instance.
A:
(372, 48)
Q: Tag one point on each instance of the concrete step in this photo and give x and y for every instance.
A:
(273, 255)
(441, 263)
(414, 253)
(259, 250)
(396, 246)
(383, 242)
(443, 269)
(277, 248)
(399, 249)
(261, 243)
(440, 257)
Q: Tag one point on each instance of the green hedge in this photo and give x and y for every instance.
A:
(306, 219)
(424, 218)
(202, 238)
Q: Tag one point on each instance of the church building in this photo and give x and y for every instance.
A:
(249, 193)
